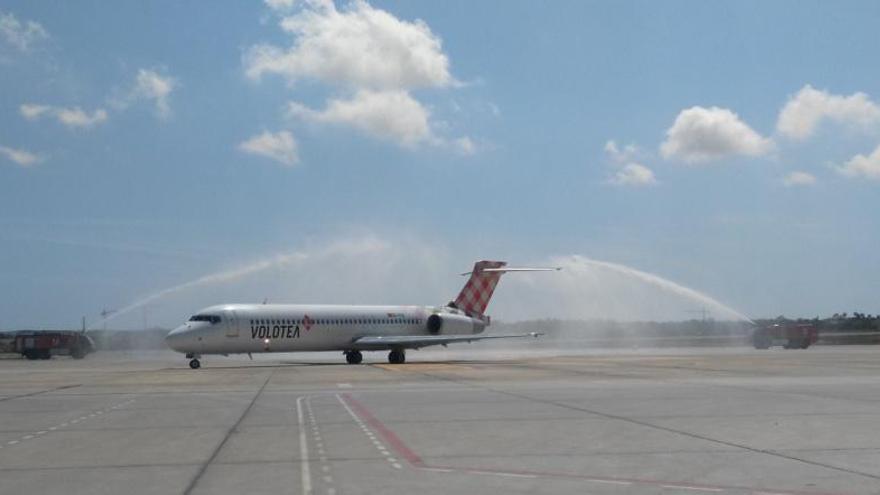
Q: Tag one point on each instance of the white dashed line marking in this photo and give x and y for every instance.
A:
(376, 443)
(319, 446)
(691, 488)
(611, 482)
(39, 433)
(343, 385)
(303, 449)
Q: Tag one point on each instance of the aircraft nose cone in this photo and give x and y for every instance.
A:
(176, 339)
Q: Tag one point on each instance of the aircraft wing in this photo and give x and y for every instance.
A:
(382, 342)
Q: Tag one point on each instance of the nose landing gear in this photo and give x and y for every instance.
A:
(194, 360)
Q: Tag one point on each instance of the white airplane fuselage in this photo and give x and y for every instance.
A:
(254, 328)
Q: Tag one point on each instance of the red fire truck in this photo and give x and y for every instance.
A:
(43, 344)
(788, 335)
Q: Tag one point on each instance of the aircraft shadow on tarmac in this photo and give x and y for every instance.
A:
(410, 365)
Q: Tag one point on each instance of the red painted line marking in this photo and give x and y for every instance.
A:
(413, 459)
(390, 437)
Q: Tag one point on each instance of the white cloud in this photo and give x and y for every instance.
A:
(465, 145)
(705, 134)
(149, 85)
(617, 155)
(802, 114)
(633, 174)
(391, 115)
(280, 5)
(19, 34)
(357, 47)
(373, 59)
(867, 167)
(32, 111)
(74, 117)
(630, 172)
(20, 157)
(799, 178)
(280, 147)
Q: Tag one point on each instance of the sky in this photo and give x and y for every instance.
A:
(164, 156)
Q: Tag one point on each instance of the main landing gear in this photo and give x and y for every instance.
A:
(397, 356)
(354, 357)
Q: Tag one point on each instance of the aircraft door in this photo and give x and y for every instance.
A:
(232, 324)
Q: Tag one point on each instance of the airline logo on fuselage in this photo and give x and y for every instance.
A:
(260, 331)
(279, 329)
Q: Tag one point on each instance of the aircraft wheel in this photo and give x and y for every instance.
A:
(397, 356)
(195, 364)
(354, 357)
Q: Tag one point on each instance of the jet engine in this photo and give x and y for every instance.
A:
(449, 324)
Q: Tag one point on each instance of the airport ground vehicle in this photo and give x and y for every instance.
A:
(43, 344)
(788, 335)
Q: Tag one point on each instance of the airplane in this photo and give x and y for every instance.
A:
(252, 328)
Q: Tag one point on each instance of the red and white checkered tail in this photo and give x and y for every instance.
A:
(475, 295)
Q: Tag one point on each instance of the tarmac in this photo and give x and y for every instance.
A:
(460, 420)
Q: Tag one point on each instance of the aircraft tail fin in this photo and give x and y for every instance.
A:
(476, 293)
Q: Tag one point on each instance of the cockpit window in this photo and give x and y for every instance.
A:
(213, 319)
